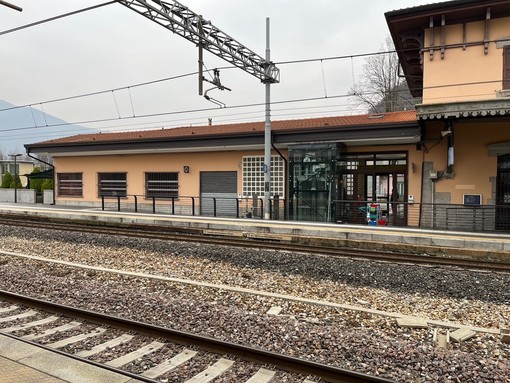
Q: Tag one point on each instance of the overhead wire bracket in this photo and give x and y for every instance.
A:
(179, 19)
(217, 85)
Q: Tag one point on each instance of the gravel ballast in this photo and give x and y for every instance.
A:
(349, 339)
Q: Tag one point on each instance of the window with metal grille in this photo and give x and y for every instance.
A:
(161, 185)
(70, 184)
(112, 184)
(506, 67)
(253, 176)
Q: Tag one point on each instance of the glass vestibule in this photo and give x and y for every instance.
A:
(313, 182)
(329, 185)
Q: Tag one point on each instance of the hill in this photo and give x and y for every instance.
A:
(20, 126)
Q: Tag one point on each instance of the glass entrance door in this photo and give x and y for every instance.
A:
(387, 190)
(373, 179)
(503, 193)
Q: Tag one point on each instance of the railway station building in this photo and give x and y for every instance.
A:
(444, 165)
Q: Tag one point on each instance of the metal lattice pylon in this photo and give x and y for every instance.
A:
(181, 20)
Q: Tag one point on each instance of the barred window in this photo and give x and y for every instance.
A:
(253, 176)
(506, 67)
(112, 184)
(161, 185)
(70, 184)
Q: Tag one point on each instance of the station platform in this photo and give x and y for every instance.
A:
(22, 362)
(493, 246)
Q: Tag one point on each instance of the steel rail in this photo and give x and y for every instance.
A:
(136, 377)
(197, 235)
(300, 366)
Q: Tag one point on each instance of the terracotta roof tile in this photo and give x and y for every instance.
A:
(241, 128)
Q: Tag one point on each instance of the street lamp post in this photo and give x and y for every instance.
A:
(15, 176)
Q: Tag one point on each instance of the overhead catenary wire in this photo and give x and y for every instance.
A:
(12, 6)
(289, 62)
(178, 123)
(116, 105)
(324, 80)
(92, 121)
(101, 91)
(189, 111)
(321, 59)
(56, 18)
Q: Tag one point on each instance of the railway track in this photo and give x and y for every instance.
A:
(248, 240)
(224, 352)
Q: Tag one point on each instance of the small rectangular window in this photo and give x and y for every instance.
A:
(161, 185)
(70, 184)
(112, 184)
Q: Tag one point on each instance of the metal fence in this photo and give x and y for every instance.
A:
(245, 207)
(480, 218)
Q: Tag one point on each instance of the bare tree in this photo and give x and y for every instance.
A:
(46, 160)
(381, 88)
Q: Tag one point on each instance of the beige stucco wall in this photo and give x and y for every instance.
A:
(473, 167)
(25, 168)
(137, 165)
(189, 184)
(443, 78)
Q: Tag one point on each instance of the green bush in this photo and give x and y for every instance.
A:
(6, 182)
(16, 183)
(47, 184)
(36, 183)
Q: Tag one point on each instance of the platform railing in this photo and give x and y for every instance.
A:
(458, 217)
(240, 207)
(480, 218)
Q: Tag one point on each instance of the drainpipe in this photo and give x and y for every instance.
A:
(47, 163)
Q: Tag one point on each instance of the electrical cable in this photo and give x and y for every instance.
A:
(92, 121)
(12, 6)
(102, 91)
(309, 99)
(56, 18)
(351, 57)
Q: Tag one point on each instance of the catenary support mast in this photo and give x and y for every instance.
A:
(267, 134)
(180, 20)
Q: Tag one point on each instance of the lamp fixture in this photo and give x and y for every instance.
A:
(446, 132)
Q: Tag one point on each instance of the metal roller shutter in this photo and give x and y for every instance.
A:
(223, 187)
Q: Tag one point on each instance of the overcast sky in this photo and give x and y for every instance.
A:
(113, 47)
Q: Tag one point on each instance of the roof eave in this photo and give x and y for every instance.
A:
(281, 136)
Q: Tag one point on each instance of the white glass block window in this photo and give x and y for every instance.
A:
(253, 176)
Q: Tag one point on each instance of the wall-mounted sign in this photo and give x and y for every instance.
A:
(472, 199)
